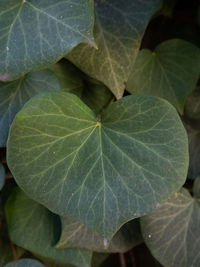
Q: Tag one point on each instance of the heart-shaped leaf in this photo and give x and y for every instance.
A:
(2, 176)
(78, 235)
(13, 95)
(170, 72)
(172, 231)
(101, 173)
(24, 263)
(36, 229)
(119, 28)
(35, 34)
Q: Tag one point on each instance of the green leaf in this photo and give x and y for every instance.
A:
(194, 151)
(170, 72)
(101, 173)
(35, 34)
(75, 234)
(192, 105)
(119, 28)
(172, 231)
(96, 95)
(36, 229)
(24, 263)
(2, 176)
(70, 78)
(13, 96)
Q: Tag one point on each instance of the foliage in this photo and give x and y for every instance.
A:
(96, 110)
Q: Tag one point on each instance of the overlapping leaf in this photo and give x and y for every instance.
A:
(24, 263)
(172, 231)
(76, 234)
(119, 28)
(35, 34)
(13, 95)
(96, 95)
(170, 72)
(70, 77)
(34, 228)
(72, 80)
(100, 173)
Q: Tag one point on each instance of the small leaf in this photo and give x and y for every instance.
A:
(35, 34)
(13, 95)
(172, 231)
(170, 72)
(75, 234)
(101, 173)
(194, 151)
(2, 176)
(118, 32)
(24, 263)
(36, 229)
(192, 105)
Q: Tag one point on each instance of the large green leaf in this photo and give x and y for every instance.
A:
(119, 28)
(172, 231)
(101, 173)
(78, 235)
(171, 71)
(2, 175)
(36, 229)
(37, 33)
(13, 95)
(24, 263)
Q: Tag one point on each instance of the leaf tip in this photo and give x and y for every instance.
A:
(93, 43)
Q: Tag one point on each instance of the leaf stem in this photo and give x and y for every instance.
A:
(122, 260)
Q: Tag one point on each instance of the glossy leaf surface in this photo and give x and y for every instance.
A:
(171, 71)
(101, 173)
(37, 33)
(119, 28)
(36, 229)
